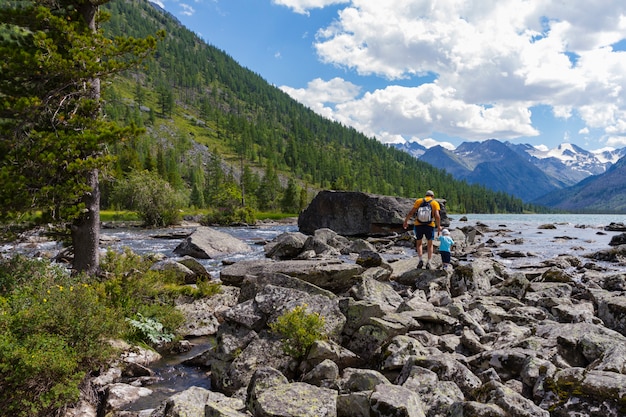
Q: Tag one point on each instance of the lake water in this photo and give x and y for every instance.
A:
(575, 234)
(143, 241)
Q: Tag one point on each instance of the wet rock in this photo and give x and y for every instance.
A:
(618, 240)
(615, 227)
(119, 395)
(285, 246)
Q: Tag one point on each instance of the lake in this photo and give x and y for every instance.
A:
(575, 234)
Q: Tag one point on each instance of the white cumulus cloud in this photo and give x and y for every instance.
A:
(490, 63)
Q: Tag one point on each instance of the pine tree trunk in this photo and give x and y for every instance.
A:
(86, 229)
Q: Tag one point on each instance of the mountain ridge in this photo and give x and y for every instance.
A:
(524, 170)
(604, 193)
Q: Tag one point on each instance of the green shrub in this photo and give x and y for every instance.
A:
(299, 330)
(53, 325)
(156, 202)
(226, 216)
(133, 289)
(52, 328)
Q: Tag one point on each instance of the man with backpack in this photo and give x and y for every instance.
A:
(427, 219)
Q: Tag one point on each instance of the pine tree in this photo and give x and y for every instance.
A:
(53, 135)
(290, 200)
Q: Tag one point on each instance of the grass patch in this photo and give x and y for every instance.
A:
(119, 216)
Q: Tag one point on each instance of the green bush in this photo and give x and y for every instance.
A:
(52, 327)
(156, 202)
(227, 216)
(299, 330)
(132, 288)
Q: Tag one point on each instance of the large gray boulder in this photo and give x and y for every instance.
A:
(358, 214)
(207, 243)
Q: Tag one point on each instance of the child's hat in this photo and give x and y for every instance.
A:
(445, 232)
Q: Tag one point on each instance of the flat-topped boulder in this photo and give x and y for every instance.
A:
(358, 214)
(208, 243)
(336, 276)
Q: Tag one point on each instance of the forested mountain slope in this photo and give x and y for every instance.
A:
(203, 111)
(604, 193)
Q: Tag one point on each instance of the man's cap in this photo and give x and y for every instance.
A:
(430, 192)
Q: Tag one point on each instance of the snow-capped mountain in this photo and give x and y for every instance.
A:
(572, 154)
(412, 148)
(495, 165)
(569, 163)
(522, 170)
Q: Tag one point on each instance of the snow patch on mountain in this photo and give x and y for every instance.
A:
(608, 155)
(578, 159)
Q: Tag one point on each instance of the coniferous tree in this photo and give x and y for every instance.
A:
(291, 196)
(269, 190)
(53, 58)
(140, 95)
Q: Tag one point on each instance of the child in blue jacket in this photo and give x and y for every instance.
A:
(445, 243)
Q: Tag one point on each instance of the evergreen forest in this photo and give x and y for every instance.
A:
(219, 137)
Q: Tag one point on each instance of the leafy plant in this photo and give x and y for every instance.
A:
(53, 325)
(299, 330)
(132, 287)
(151, 329)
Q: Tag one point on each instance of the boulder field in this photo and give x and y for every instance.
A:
(480, 339)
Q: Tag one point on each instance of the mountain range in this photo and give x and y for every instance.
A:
(557, 178)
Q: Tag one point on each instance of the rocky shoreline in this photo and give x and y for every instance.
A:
(478, 340)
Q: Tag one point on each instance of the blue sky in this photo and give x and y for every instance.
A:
(543, 72)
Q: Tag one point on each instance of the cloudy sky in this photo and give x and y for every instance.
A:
(542, 72)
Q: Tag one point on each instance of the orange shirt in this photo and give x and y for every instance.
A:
(434, 204)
